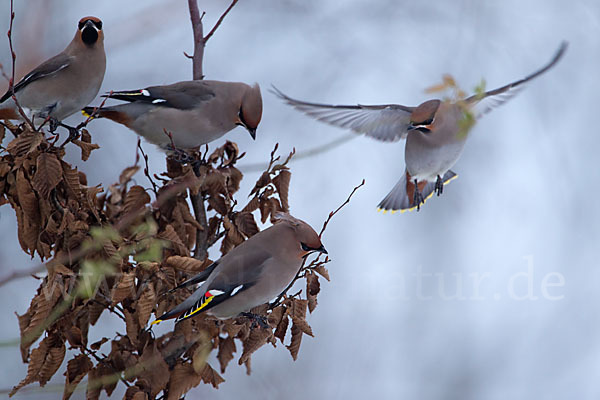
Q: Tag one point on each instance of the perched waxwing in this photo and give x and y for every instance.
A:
(251, 274)
(64, 84)
(193, 112)
(435, 133)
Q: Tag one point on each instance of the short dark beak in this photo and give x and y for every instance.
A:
(410, 127)
(252, 132)
(322, 250)
(90, 23)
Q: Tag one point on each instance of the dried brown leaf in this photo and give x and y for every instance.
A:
(124, 289)
(25, 143)
(127, 174)
(36, 362)
(188, 264)
(252, 205)
(321, 270)
(226, 350)
(210, 376)
(312, 290)
(253, 342)
(48, 174)
(177, 245)
(96, 345)
(74, 336)
(282, 184)
(136, 199)
(77, 369)
(132, 326)
(182, 379)
(282, 328)
(154, 368)
(294, 346)
(262, 181)
(244, 221)
(85, 144)
(145, 304)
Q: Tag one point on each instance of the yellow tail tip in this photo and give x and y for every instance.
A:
(85, 114)
(156, 322)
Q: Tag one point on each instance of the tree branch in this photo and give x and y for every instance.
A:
(331, 214)
(212, 31)
(202, 242)
(11, 82)
(316, 260)
(199, 40)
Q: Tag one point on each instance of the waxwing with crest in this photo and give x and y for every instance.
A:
(435, 132)
(192, 112)
(67, 82)
(251, 274)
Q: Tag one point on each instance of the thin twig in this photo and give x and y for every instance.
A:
(11, 82)
(316, 260)
(331, 214)
(212, 31)
(256, 167)
(197, 28)
(146, 168)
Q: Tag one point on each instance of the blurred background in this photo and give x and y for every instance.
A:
(489, 292)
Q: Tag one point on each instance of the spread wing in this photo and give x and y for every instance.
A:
(47, 68)
(235, 272)
(387, 122)
(181, 95)
(485, 102)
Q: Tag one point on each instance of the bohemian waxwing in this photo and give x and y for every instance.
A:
(435, 133)
(251, 274)
(193, 112)
(67, 82)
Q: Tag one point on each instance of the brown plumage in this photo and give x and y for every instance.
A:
(62, 85)
(435, 132)
(251, 274)
(194, 112)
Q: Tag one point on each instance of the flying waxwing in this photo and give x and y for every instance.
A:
(251, 274)
(435, 132)
(193, 112)
(67, 82)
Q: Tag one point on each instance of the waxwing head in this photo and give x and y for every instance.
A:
(307, 239)
(90, 31)
(422, 117)
(251, 109)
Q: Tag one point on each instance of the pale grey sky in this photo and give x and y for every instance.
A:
(522, 215)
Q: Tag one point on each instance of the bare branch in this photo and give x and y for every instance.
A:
(199, 41)
(202, 244)
(11, 82)
(331, 214)
(212, 31)
(316, 261)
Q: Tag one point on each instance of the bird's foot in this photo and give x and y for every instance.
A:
(256, 320)
(439, 185)
(73, 134)
(53, 124)
(418, 198)
(179, 155)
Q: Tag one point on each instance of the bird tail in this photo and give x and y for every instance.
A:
(112, 113)
(401, 198)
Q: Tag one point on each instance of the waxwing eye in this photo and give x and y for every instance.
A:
(305, 247)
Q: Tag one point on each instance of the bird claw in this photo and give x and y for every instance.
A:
(439, 185)
(256, 320)
(53, 124)
(180, 156)
(418, 198)
(73, 134)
